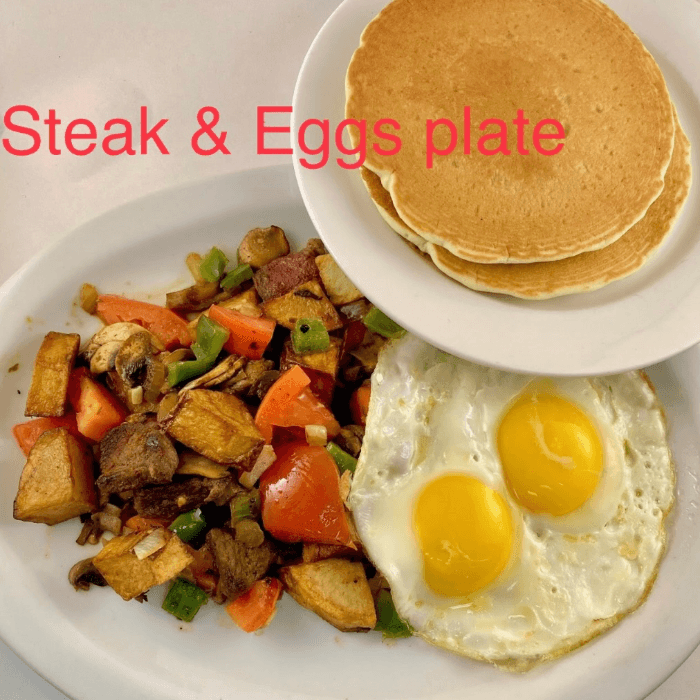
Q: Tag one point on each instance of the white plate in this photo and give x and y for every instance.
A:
(646, 318)
(93, 643)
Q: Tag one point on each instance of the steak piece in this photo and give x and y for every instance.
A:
(239, 566)
(284, 274)
(135, 454)
(169, 500)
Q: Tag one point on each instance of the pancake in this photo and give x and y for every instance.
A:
(575, 62)
(580, 273)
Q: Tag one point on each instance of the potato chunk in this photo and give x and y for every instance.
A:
(339, 288)
(262, 245)
(217, 425)
(57, 480)
(130, 576)
(336, 590)
(308, 300)
(48, 393)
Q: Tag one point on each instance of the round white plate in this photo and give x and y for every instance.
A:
(632, 323)
(93, 643)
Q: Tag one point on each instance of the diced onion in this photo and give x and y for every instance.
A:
(265, 460)
(150, 544)
(316, 435)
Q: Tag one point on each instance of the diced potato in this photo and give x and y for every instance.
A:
(339, 288)
(217, 425)
(321, 367)
(130, 576)
(335, 589)
(308, 300)
(48, 393)
(262, 245)
(247, 303)
(88, 298)
(57, 482)
(326, 361)
(197, 465)
(193, 261)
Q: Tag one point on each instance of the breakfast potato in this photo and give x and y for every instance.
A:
(321, 367)
(339, 288)
(308, 300)
(217, 425)
(246, 303)
(57, 480)
(48, 393)
(336, 590)
(130, 576)
(261, 246)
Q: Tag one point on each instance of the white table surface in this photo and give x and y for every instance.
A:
(102, 59)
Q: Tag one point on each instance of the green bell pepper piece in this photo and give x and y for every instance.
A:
(378, 322)
(237, 276)
(188, 525)
(310, 335)
(213, 265)
(345, 461)
(184, 600)
(388, 621)
(211, 337)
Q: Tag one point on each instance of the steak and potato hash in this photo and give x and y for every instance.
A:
(211, 443)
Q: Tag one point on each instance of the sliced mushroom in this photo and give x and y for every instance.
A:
(195, 298)
(220, 374)
(132, 358)
(114, 333)
(105, 356)
(83, 574)
(247, 381)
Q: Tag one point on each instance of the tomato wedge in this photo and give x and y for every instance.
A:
(29, 432)
(248, 336)
(165, 324)
(300, 497)
(257, 606)
(290, 402)
(96, 410)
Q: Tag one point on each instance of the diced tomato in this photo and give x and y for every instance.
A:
(290, 402)
(165, 324)
(354, 335)
(248, 336)
(96, 410)
(359, 404)
(29, 432)
(257, 606)
(300, 497)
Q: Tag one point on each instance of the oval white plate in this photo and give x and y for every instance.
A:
(632, 323)
(93, 643)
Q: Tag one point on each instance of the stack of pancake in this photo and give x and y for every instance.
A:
(532, 226)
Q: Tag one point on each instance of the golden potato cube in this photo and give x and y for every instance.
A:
(335, 589)
(57, 482)
(339, 288)
(308, 300)
(217, 425)
(246, 303)
(326, 361)
(130, 576)
(48, 393)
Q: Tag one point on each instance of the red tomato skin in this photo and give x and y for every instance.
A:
(300, 497)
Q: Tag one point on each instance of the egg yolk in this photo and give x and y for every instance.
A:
(551, 454)
(465, 533)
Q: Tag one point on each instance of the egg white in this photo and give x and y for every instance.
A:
(569, 577)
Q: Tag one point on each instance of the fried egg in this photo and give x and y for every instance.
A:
(515, 518)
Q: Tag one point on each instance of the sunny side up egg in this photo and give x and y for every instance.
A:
(514, 518)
